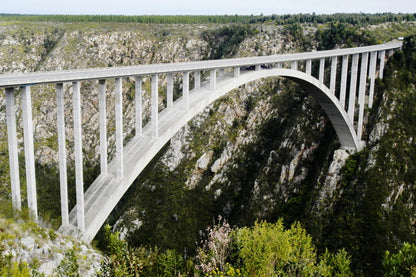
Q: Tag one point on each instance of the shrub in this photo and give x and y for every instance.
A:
(267, 249)
(215, 249)
(402, 263)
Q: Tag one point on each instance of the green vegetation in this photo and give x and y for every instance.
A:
(224, 42)
(402, 263)
(341, 34)
(356, 19)
(368, 213)
(373, 214)
(266, 249)
(391, 31)
(123, 260)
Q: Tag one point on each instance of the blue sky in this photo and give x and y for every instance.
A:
(166, 7)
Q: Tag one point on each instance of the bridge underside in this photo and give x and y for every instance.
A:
(106, 191)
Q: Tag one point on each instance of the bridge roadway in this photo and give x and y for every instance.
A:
(34, 78)
(94, 205)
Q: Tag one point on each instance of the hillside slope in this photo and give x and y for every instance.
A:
(265, 151)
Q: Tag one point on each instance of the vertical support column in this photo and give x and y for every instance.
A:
(185, 89)
(321, 69)
(344, 72)
(279, 65)
(197, 79)
(169, 92)
(382, 60)
(236, 72)
(353, 86)
(103, 126)
(372, 74)
(294, 65)
(63, 179)
(119, 128)
(258, 67)
(334, 62)
(390, 53)
(79, 178)
(309, 67)
(155, 106)
(13, 154)
(138, 103)
(29, 153)
(213, 80)
(361, 93)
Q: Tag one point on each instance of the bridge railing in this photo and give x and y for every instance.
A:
(325, 62)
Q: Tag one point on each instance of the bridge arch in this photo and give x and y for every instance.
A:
(329, 103)
(106, 191)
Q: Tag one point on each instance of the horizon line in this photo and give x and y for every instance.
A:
(253, 15)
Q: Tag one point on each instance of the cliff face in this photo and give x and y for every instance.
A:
(264, 151)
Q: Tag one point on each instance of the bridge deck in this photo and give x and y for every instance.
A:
(32, 78)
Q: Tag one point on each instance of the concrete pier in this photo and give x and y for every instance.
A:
(236, 72)
(308, 67)
(294, 65)
(79, 177)
(103, 126)
(63, 179)
(213, 79)
(119, 128)
(185, 89)
(138, 105)
(382, 59)
(169, 92)
(197, 79)
(372, 74)
(13, 152)
(155, 105)
(332, 83)
(353, 86)
(344, 75)
(29, 153)
(361, 93)
(321, 70)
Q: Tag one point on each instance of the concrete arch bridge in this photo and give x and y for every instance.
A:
(352, 68)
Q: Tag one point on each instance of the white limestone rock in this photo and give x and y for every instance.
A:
(333, 176)
(203, 162)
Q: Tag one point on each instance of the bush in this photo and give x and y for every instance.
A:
(267, 249)
(402, 263)
(123, 260)
(170, 263)
(215, 249)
